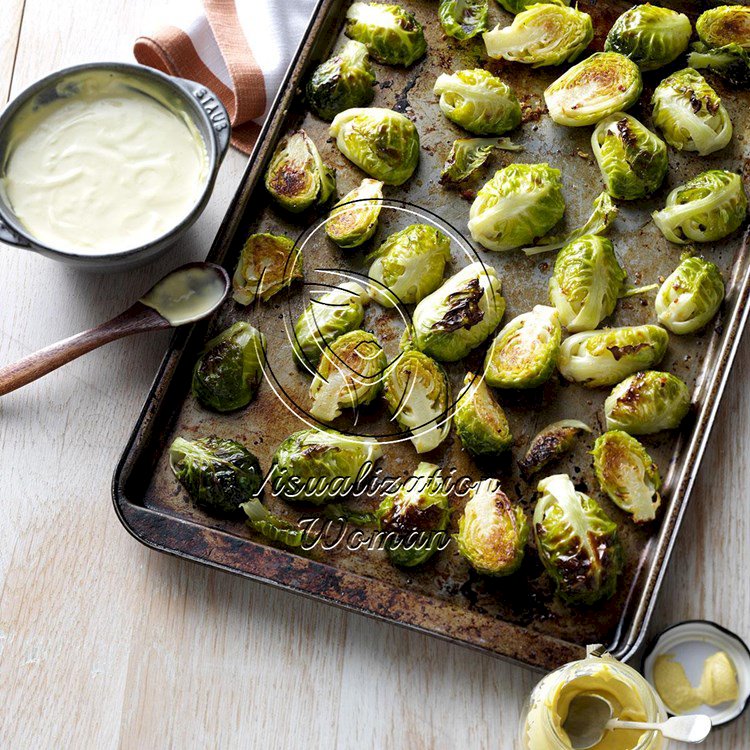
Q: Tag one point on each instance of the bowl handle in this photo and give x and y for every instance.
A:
(8, 236)
(215, 111)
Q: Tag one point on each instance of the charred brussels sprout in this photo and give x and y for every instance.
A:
(350, 375)
(480, 422)
(341, 82)
(518, 6)
(492, 532)
(391, 34)
(318, 466)
(727, 24)
(627, 475)
(647, 402)
(690, 296)
(523, 354)
(469, 154)
(418, 395)
(545, 34)
(354, 218)
(650, 36)
(230, 368)
(478, 102)
(463, 19)
(296, 177)
(731, 62)
(409, 265)
(218, 474)
(604, 83)
(632, 159)
(554, 441)
(268, 263)
(690, 114)
(519, 204)
(709, 207)
(415, 517)
(381, 142)
(600, 358)
(460, 315)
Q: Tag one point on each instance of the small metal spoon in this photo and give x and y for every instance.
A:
(172, 295)
(590, 716)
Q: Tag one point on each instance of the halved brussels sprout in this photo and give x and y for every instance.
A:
(518, 6)
(350, 375)
(418, 395)
(690, 114)
(409, 265)
(480, 421)
(545, 34)
(277, 529)
(707, 208)
(463, 19)
(296, 177)
(600, 358)
(524, 353)
(478, 102)
(317, 466)
(577, 542)
(468, 154)
(627, 474)
(268, 263)
(354, 219)
(604, 83)
(381, 142)
(690, 296)
(552, 442)
(649, 35)
(460, 315)
(218, 474)
(415, 517)
(727, 24)
(229, 370)
(492, 532)
(519, 204)
(647, 402)
(341, 82)
(632, 159)
(586, 283)
(392, 35)
(731, 62)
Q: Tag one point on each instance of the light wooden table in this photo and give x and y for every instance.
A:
(106, 644)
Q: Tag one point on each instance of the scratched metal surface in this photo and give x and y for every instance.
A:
(525, 599)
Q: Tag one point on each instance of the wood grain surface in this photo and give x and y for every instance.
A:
(105, 644)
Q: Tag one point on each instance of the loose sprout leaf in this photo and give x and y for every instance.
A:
(463, 19)
(550, 444)
(260, 519)
(354, 219)
(268, 263)
(469, 154)
(480, 421)
(731, 62)
(340, 512)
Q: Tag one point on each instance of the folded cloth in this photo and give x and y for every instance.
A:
(240, 51)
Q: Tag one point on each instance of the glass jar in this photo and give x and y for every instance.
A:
(630, 695)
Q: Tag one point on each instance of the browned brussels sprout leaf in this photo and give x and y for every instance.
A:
(553, 442)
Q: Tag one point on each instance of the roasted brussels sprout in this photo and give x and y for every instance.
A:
(460, 315)
(552, 442)
(415, 517)
(478, 102)
(524, 353)
(480, 421)
(492, 532)
(649, 35)
(409, 265)
(690, 114)
(647, 402)
(418, 395)
(229, 370)
(296, 177)
(468, 154)
(218, 474)
(586, 283)
(277, 529)
(518, 6)
(354, 218)
(519, 204)
(381, 142)
(690, 296)
(317, 466)
(731, 62)
(727, 24)
(577, 542)
(268, 263)
(392, 35)
(341, 82)
(600, 358)
(350, 375)
(463, 19)
(627, 475)
(632, 159)
(707, 208)
(604, 83)
(545, 34)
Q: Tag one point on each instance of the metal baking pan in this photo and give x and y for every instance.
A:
(516, 618)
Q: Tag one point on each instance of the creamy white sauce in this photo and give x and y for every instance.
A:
(104, 169)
